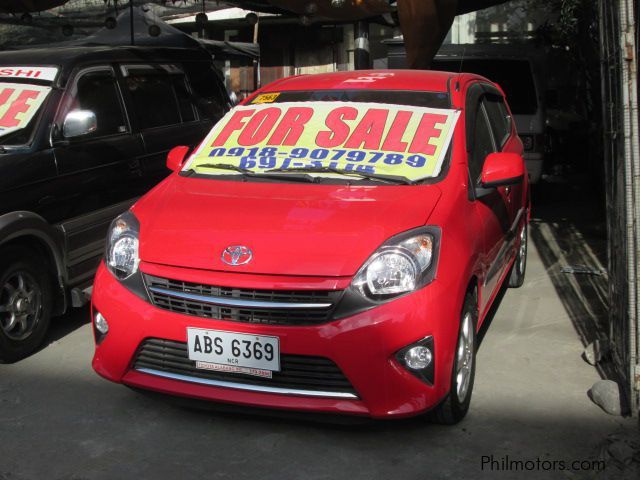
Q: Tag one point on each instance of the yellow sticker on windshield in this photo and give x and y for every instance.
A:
(369, 138)
(266, 98)
(19, 102)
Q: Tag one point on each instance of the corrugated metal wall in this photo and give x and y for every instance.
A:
(618, 40)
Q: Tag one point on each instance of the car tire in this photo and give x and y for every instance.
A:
(519, 268)
(456, 404)
(26, 298)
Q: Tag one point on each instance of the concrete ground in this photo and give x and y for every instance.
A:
(58, 420)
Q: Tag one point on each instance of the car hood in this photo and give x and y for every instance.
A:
(291, 228)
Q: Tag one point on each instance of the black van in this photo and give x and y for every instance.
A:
(83, 132)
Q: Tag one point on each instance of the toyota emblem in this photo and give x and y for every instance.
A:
(237, 255)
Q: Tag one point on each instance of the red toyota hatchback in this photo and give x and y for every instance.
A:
(333, 245)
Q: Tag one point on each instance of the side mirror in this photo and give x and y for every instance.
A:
(176, 157)
(502, 169)
(78, 123)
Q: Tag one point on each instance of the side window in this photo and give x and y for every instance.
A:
(160, 96)
(498, 118)
(98, 91)
(183, 96)
(210, 96)
(154, 102)
(483, 144)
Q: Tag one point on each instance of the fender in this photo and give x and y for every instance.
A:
(28, 224)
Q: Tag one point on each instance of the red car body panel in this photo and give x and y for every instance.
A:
(362, 345)
(411, 80)
(316, 237)
(316, 220)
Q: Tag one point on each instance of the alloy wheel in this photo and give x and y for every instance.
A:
(522, 254)
(20, 305)
(465, 358)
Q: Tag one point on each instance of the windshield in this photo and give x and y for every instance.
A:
(396, 97)
(317, 134)
(19, 106)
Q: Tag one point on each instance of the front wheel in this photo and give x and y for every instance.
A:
(25, 303)
(456, 404)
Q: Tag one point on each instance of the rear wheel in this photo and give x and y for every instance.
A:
(456, 405)
(520, 264)
(25, 303)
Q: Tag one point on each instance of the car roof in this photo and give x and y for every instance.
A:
(64, 56)
(413, 80)
(68, 57)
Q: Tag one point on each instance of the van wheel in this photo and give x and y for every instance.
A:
(516, 279)
(25, 303)
(456, 404)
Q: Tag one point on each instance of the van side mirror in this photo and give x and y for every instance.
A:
(176, 157)
(78, 123)
(502, 169)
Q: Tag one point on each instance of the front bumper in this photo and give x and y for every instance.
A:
(363, 346)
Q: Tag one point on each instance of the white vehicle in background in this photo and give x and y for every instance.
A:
(517, 71)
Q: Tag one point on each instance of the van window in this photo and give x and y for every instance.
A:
(154, 103)
(187, 112)
(515, 77)
(209, 95)
(97, 91)
(159, 100)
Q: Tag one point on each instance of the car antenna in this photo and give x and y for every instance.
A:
(464, 51)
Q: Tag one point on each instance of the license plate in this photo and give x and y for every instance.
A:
(240, 350)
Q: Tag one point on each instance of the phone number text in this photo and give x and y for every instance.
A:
(270, 157)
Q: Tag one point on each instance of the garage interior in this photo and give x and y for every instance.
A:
(558, 374)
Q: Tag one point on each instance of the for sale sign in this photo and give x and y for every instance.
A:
(372, 138)
(33, 73)
(19, 102)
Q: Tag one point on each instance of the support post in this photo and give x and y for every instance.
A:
(631, 132)
(131, 21)
(256, 63)
(362, 54)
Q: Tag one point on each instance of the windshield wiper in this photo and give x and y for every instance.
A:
(226, 166)
(394, 179)
(251, 173)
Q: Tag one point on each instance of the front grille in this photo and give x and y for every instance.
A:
(298, 372)
(304, 307)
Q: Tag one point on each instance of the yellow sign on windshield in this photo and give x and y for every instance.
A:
(266, 98)
(18, 104)
(371, 138)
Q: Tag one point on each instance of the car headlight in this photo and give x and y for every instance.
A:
(402, 264)
(121, 255)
